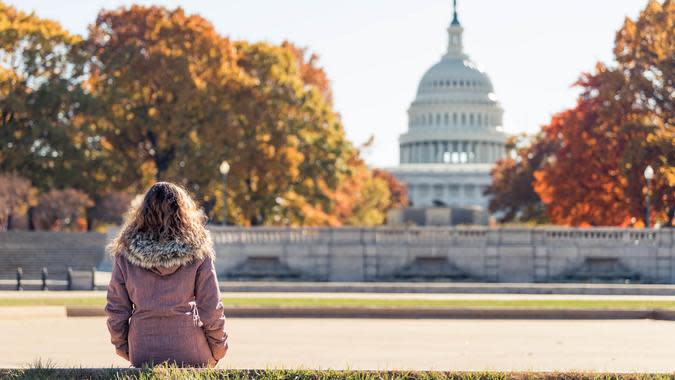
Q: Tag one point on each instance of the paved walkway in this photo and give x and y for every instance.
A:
(422, 296)
(626, 346)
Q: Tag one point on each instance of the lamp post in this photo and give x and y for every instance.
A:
(649, 175)
(224, 169)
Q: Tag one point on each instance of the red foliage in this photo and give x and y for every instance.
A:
(399, 194)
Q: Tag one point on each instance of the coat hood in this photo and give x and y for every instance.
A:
(164, 257)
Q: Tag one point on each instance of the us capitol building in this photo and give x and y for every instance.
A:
(454, 132)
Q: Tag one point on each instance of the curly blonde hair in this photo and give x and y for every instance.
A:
(167, 214)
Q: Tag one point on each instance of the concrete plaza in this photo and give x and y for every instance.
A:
(626, 345)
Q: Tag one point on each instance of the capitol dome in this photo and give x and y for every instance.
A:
(454, 131)
(454, 75)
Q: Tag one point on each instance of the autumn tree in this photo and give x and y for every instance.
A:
(288, 148)
(61, 210)
(110, 208)
(310, 71)
(156, 94)
(362, 198)
(512, 196)
(397, 191)
(622, 122)
(163, 78)
(588, 162)
(17, 195)
(41, 136)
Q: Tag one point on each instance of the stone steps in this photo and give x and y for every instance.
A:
(33, 251)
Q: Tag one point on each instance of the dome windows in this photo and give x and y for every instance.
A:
(454, 83)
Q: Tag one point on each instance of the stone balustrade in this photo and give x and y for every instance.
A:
(468, 253)
(387, 254)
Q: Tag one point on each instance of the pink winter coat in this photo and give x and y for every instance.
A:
(164, 304)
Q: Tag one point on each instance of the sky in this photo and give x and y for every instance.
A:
(375, 51)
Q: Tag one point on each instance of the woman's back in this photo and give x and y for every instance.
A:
(163, 298)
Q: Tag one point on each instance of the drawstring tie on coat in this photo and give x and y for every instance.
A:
(195, 314)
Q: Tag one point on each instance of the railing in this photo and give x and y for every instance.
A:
(313, 235)
(75, 280)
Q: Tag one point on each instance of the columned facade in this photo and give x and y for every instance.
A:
(454, 132)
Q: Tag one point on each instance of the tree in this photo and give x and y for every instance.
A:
(163, 80)
(398, 191)
(288, 148)
(61, 210)
(16, 196)
(156, 94)
(362, 199)
(621, 124)
(645, 51)
(110, 208)
(512, 196)
(588, 162)
(310, 71)
(44, 135)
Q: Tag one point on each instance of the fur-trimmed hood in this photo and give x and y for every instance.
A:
(148, 252)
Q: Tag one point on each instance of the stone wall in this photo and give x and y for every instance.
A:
(446, 253)
(388, 254)
(56, 251)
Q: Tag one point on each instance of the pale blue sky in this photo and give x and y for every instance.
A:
(375, 51)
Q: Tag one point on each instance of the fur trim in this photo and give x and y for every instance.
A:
(145, 252)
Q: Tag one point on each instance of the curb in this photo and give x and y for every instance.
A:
(448, 288)
(422, 313)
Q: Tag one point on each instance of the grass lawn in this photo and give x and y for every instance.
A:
(164, 372)
(380, 302)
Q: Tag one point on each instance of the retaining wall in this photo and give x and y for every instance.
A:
(472, 254)
(387, 253)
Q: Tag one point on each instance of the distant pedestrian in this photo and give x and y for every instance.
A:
(163, 298)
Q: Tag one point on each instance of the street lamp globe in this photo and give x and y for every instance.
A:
(224, 168)
(649, 173)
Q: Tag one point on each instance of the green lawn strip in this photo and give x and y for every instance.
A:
(380, 302)
(164, 372)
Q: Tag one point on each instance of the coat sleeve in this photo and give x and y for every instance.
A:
(119, 308)
(207, 297)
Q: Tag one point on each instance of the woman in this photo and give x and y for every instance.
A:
(163, 298)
